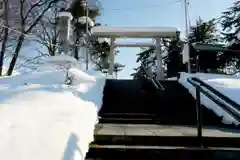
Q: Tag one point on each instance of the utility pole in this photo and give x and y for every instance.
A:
(187, 34)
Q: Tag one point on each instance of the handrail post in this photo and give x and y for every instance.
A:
(199, 115)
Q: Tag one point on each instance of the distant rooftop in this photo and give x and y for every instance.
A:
(214, 47)
(209, 47)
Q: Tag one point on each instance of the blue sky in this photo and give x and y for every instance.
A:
(154, 13)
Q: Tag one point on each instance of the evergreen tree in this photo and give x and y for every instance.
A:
(174, 58)
(117, 68)
(230, 22)
(99, 51)
(203, 32)
(139, 73)
(82, 13)
(231, 31)
(145, 58)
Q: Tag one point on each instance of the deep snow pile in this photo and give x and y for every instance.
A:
(43, 118)
(228, 85)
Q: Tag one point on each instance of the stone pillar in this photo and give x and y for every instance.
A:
(64, 23)
(149, 71)
(160, 71)
(111, 56)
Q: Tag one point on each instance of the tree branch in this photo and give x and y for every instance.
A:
(40, 16)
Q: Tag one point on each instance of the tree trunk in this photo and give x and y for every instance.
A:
(104, 61)
(3, 50)
(5, 38)
(54, 48)
(77, 45)
(76, 48)
(15, 56)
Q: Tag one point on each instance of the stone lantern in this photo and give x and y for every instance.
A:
(64, 23)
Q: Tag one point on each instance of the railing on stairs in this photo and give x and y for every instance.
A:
(228, 105)
(154, 79)
(157, 81)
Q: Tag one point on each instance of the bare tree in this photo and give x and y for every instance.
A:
(28, 13)
(4, 34)
(48, 31)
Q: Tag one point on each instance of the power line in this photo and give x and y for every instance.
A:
(32, 36)
(27, 36)
(14, 30)
(141, 8)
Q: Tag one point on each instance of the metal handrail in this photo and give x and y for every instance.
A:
(152, 79)
(154, 83)
(224, 102)
(156, 78)
(228, 105)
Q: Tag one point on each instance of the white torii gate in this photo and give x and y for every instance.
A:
(135, 32)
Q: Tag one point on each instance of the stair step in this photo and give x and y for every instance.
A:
(163, 153)
(129, 120)
(128, 115)
(127, 147)
(174, 141)
(119, 114)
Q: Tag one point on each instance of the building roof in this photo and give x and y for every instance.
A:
(209, 47)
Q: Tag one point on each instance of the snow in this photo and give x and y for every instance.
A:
(65, 14)
(140, 32)
(84, 19)
(4, 71)
(59, 59)
(173, 79)
(134, 44)
(237, 74)
(41, 117)
(227, 85)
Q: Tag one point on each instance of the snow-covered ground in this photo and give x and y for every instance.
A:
(228, 85)
(5, 71)
(42, 117)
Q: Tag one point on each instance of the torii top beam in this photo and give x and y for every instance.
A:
(134, 32)
(128, 44)
(134, 44)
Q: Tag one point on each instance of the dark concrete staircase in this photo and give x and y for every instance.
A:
(137, 101)
(131, 111)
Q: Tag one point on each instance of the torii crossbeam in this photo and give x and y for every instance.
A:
(135, 32)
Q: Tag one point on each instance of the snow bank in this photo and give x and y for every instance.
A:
(42, 118)
(61, 59)
(173, 79)
(228, 85)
